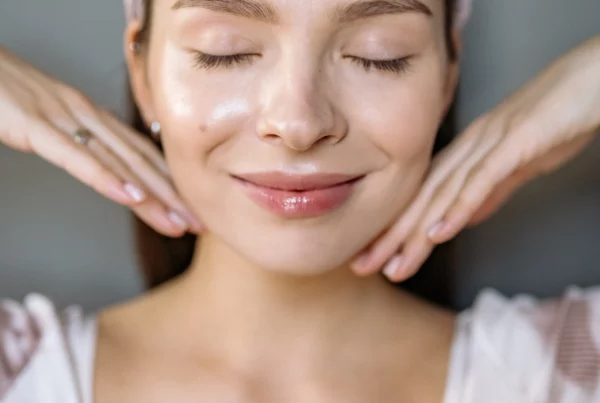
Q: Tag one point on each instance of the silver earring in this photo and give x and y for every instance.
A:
(155, 130)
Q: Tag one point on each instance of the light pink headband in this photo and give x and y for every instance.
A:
(134, 10)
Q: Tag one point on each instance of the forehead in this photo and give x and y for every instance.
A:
(273, 11)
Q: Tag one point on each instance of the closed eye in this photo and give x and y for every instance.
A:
(397, 66)
(206, 61)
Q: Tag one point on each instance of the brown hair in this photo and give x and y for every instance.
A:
(163, 258)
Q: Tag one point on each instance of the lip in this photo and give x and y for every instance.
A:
(298, 196)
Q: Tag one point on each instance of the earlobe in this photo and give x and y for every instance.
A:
(136, 58)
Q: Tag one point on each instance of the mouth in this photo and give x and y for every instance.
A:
(298, 196)
(297, 183)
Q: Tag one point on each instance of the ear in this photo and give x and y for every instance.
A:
(136, 56)
(453, 73)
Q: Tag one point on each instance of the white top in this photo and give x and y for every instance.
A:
(45, 356)
(517, 350)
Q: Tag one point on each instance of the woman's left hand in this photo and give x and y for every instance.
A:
(535, 131)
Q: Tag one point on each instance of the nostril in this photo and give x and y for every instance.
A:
(273, 139)
(328, 140)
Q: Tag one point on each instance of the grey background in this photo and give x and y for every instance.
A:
(59, 238)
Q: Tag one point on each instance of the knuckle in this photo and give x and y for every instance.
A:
(519, 124)
(476, 128)
(468, 200)
(69, 94)
(58, 117)
(78, 101)
(484, 170)
(32, 116)
(136, 159)
(498, 124)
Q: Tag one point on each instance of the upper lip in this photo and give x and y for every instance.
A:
(294, 182)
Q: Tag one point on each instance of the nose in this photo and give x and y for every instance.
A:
(297, 110)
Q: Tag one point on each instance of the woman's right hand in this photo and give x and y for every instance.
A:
(40, 115)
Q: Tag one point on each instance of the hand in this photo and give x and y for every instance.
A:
(535, 131)
(39, 115)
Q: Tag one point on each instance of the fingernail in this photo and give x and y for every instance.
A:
(392, 267)
(435, 229)
(117, 193)
(177, 220)
(135, 192)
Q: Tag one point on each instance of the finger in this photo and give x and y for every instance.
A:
(139, 142)
(176, 224)
(147, 173)
(406, 264)
(449, 163)
(59, 149)
(432, 223)
(158, 218)
(56, 113)
(491, 171)
(382, 249)
(420, 245)
(533, 161)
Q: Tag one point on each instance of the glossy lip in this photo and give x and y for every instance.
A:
(298, 196)
(292, 182)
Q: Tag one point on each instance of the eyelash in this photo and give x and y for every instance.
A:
(396, 66)
(206, 61)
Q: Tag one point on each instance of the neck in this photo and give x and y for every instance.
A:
(246, 310)
(252, 318)
(235, 322)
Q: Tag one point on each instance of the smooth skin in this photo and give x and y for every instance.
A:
(556, 112)
(222, 331)
(535, 131)
(269, 310)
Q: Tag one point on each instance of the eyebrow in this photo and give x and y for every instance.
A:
(372, 8)
(254, 9)
(265, 12)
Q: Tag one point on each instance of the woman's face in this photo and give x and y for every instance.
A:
(269, 108)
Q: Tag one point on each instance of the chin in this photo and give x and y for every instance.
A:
(298, 251)
(297, 246)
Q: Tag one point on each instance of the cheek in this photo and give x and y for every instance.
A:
(199, 116)
(198, 113)
(407, 130)
(403, 119)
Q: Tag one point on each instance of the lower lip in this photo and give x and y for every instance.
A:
(305, 204)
